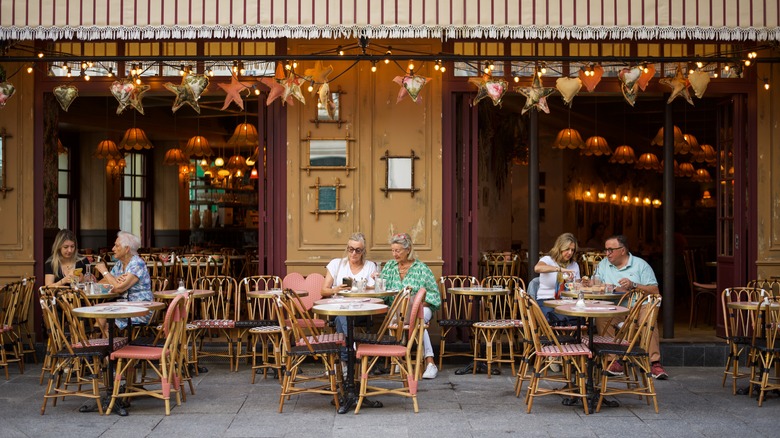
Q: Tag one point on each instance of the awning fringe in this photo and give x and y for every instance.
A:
(385, 32)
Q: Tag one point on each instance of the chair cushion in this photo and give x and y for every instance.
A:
(566, 350)
(456, 322)
(324, 348)
(266, 329)
(380, 350)
(372, 338)
(119, 342)
(256, 323)
(495, 324)
(617, 349)
(214, 323)
(139, 352)
(325, 338)
(83, 352)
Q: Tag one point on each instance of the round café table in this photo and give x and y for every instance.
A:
(481, 293)
(102, 297)
(369, 293)
(273, 293)
(590, 312)
(110, 313)
(347, 300)
(350, 310)
(593, 293)
(555, 303)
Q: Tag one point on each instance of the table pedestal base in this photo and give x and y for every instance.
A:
(481, 369)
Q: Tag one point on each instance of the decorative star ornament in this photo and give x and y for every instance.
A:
(127, 93)
(411, 85)
(233, 90)
(188, 92)
(536, 95)
(679, 86)
(489, 87)
(319, 74)
(292, 87)
(277, 90)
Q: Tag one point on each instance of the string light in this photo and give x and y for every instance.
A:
(411, 65)
(68, 72)
(340, 51)
(373, 66)
(388, 53)
(40, 54)
(766, 83)
(30, 68)
(110, 72)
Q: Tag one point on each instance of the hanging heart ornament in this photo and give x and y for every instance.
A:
(699, 81)
(123, 92)
(65, 95)
(197, 83)
(648, 72)
(629, 78)
(568, 87)
(591, 81)
(413, 85)
(7, 90)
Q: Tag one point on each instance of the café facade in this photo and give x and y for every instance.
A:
(410, 134)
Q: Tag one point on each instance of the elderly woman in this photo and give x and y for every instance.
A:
(552, 267)
(129, 274)
(65, 264)
(405, 270)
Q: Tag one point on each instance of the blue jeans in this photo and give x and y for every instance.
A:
(341, 327)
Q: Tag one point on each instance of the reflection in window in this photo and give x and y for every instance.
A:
(133, 199)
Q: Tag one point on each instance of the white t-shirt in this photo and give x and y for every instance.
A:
(339, 269)
(547, 280)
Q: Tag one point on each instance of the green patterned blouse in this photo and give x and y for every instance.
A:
(418, 275)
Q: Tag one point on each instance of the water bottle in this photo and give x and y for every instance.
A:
(580, 299)
(89, 280)
(181, 289)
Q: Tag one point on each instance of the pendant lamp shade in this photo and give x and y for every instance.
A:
(678, 138)
(596, 145)
(244, 136)
(676, 168)
(648, 161)
(236, 162)
(692, 145)
(624, 154)
(107, 149)
(701, 175)
(197, 146)
(135, 139)
(706, 154)
(568, 138)
(253, 174)
(175, 157)
(687, 170)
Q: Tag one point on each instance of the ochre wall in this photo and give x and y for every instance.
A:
(768, 172)
(377, 124)
(16, 206)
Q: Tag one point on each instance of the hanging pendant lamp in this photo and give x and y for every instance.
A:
(135, 139)
(175, 157)
(648, 161)
(197, 146)
(568, 138)
(624, 154)
(107, 149)
(596, 145)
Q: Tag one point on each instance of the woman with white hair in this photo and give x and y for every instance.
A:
(406, 270)
(129, 274)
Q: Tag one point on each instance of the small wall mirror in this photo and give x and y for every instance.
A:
(399, 173)
(327, 199)
(331, 111)
(328, 154)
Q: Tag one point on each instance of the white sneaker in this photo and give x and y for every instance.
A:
(430, 372)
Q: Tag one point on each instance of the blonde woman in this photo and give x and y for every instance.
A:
(65, 264)
(552, 267)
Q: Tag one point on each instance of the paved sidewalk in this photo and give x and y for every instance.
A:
(692, 404)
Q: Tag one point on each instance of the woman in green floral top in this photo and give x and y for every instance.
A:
(405, 270)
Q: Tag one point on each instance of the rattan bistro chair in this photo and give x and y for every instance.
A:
(502, 324)
(456, 314)
(738, 324)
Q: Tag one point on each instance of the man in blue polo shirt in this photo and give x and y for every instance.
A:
(628, 272)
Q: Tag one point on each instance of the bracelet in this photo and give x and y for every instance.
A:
(104, 273)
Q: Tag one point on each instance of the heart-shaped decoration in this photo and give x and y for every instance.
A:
(123, 92)
(568, 87)
(7, 90)
(699, 81)
(312, 284)
(647, 73)
(630, 76)
(324, 100)
(495, 90)
(591, 81)
(197, 83)
(65, 95)
(413, 85)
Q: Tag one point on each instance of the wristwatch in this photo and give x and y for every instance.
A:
(633, 284)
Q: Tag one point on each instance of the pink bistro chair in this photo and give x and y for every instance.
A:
(166, 361)
(311, 284)
(400, 355)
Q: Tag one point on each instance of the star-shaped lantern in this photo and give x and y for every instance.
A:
(489, 87)
(188, 92)
(277, 90)
(233, 90)
(536, 95)
(411, 85)
(318, 74)
(292, 87)
(679, 86)
(128, 93)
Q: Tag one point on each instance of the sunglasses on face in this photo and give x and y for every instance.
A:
(354, 250)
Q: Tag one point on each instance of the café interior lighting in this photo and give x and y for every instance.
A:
(135, 139)
(624, 154)
(648, 161)
(701, 175)
(596, 145)
(568, 138)
(687, 170)
(693, 145)
(706, 154)
(244, 136)
(107, 149)
(197, 146)
(678, 138)
(175, 157)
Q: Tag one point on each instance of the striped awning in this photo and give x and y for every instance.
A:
(518, 19)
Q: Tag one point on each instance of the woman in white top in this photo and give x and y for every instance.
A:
(551, 268)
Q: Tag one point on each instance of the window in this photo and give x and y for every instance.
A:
(133, 200)
(64, 198)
